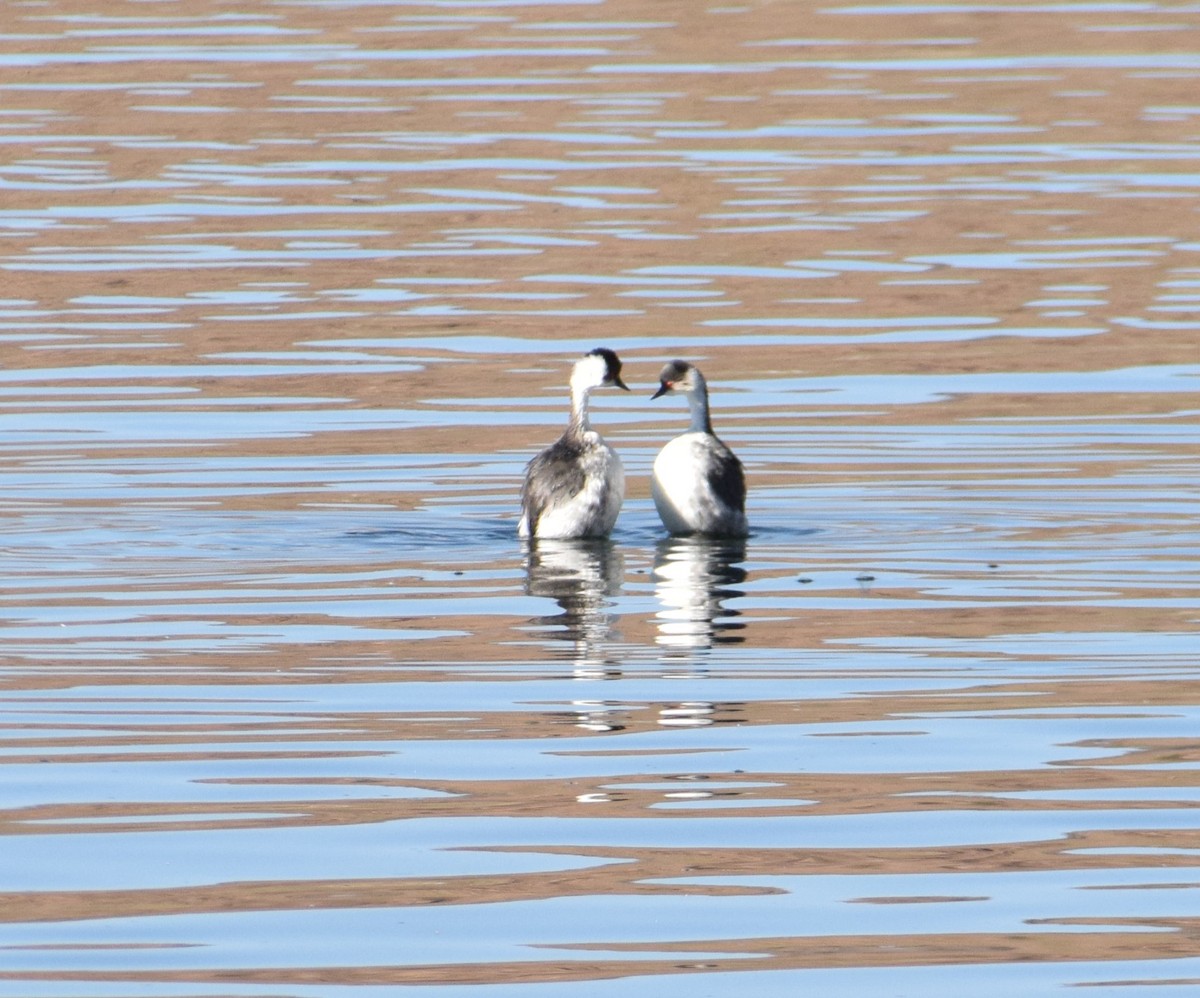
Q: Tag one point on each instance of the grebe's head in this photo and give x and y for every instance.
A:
(598, 369)
(678, 376)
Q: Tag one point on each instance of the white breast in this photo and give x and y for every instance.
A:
(680, 485)
(592, 512)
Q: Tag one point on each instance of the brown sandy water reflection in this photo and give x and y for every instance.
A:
(290, 295)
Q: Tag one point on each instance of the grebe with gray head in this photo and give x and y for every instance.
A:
(698, 483)
(574, 488)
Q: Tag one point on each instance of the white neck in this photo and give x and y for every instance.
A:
(580, 394)
(587, 374)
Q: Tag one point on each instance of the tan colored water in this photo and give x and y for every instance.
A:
(291, 290)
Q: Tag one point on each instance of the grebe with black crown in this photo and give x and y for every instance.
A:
(574, 488)
(698, 483)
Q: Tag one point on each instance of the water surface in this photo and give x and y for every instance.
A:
(292, 297)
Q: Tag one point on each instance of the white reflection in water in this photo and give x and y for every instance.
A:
(582, 577)
(693, 577)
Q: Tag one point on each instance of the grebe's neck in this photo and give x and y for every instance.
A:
(697, 400)
(578, 425)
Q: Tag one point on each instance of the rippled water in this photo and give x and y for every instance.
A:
(291, 294)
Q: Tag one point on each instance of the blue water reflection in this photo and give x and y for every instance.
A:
(289, 709)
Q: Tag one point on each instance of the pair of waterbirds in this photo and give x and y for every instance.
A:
(574, 488)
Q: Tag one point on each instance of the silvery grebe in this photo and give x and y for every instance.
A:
(698, 483)
(574, 488)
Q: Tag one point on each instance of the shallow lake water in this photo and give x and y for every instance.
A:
(291, 291)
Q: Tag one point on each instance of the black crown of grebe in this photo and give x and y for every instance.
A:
(698, 483)
(575, 487)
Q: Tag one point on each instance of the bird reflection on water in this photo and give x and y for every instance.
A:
(693, 577)
(583, 577)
